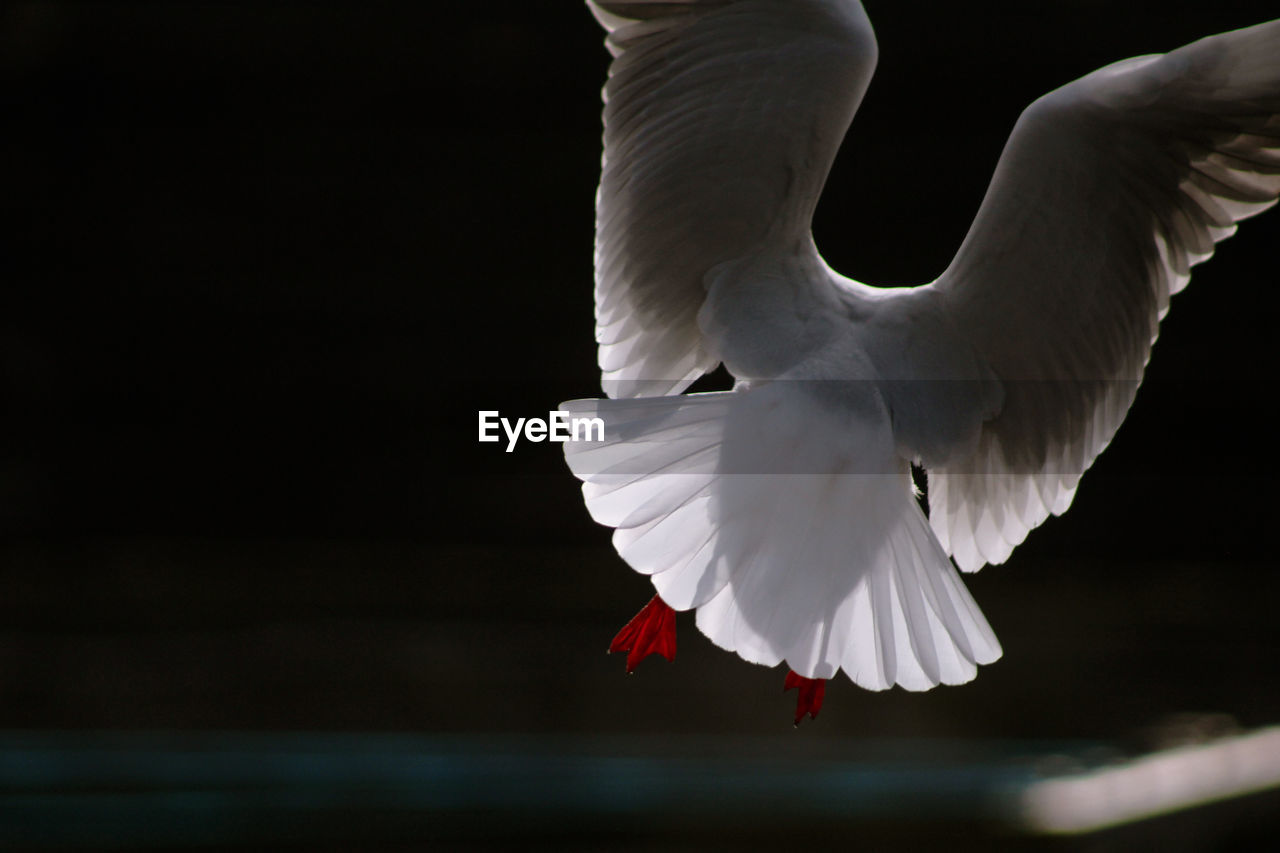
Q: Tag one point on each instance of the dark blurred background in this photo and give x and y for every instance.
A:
(266, 261)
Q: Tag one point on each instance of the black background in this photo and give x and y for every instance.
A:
(266, 261)
(270, 259)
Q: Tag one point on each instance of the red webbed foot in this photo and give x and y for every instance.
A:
(809, 700)
(651, 630)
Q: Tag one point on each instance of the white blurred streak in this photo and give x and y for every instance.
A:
(1155, 784)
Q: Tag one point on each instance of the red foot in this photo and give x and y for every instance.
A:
(811, 692)
(651, 630)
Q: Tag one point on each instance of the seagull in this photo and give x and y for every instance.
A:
(784, 511)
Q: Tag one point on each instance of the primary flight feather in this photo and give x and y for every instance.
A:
(784, 510)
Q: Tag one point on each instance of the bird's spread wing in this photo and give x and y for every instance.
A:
(721, 122)
(1107, 192)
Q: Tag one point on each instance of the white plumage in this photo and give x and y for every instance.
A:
(784, 511)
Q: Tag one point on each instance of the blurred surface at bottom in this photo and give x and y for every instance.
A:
(235, 790)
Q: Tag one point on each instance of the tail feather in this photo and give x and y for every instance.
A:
(668, 541)
(826, 562)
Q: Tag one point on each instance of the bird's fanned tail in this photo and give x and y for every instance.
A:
(793, 530)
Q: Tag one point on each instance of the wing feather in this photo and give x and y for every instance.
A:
(721, 120)
(1109, 190)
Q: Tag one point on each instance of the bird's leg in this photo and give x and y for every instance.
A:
(651, 630)
(809, 700)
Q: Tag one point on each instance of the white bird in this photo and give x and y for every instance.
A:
(784, 511)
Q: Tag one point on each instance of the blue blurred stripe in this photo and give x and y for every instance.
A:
(227, 788)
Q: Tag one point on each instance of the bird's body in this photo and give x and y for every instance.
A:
(784, 510)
